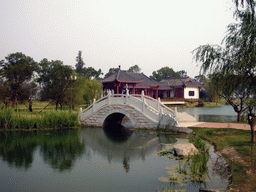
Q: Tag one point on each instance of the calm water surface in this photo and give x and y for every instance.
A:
(224, 113)
(92, 159)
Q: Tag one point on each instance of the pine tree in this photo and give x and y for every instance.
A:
(80, 63)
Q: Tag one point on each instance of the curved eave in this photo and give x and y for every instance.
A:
(107, 81)
(130, 81)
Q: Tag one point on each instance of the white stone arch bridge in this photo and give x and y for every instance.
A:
(143, 112)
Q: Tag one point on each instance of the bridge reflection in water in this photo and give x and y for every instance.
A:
(120, 144)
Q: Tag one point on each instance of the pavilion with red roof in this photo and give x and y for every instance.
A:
(184, 88)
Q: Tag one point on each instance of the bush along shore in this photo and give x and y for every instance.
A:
(11, 120)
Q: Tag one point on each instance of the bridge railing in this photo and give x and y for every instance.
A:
(156, 104)
(147, 105)
(142, 105)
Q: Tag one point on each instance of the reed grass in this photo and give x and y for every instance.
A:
(198, 166)
(197, 162)
(199, 143)
(9, 119)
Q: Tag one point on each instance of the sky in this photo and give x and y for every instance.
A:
(149, 33)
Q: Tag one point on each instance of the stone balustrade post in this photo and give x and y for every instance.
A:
(175, 112)
(143, 101)
(93, 105)
(109, 97)
(143, 104)
(158, 104)
(161, 112)
(142, 95)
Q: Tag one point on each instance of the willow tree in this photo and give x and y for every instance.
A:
(234, 64)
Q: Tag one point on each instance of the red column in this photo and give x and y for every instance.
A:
(117, 88)
(133, 89)
(156, 93)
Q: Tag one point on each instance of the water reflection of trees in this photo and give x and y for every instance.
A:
(59, 148)
(17, 149)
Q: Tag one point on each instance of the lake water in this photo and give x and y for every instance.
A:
(93, 159)
(223, 113)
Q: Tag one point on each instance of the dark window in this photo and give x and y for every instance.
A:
(191, 93)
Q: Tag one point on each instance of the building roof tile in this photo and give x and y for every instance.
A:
(183, 81)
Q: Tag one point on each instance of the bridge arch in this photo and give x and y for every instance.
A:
(116, 116)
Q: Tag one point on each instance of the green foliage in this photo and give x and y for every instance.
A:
(91, 89)
(198, 165)
(89, 72)
(239, 140)
(182, 73)
(15, 75)
(164, 73)
(199, 143)
(110, 71)
(134, 69)
(233, 65)
(56, 80)
(194, 166)
(198, 162)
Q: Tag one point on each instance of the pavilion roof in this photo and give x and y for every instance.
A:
(122, 76)
(147, 81)
(128, 77)
(183, 81)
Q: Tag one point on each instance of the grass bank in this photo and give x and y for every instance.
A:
(239, 152)
(40, 106)
(12, 120)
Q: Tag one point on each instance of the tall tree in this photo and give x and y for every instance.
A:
(164, 73)
(81, 70)
(56, 80)
(16, 71)
(80, 63)
(235, 63)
